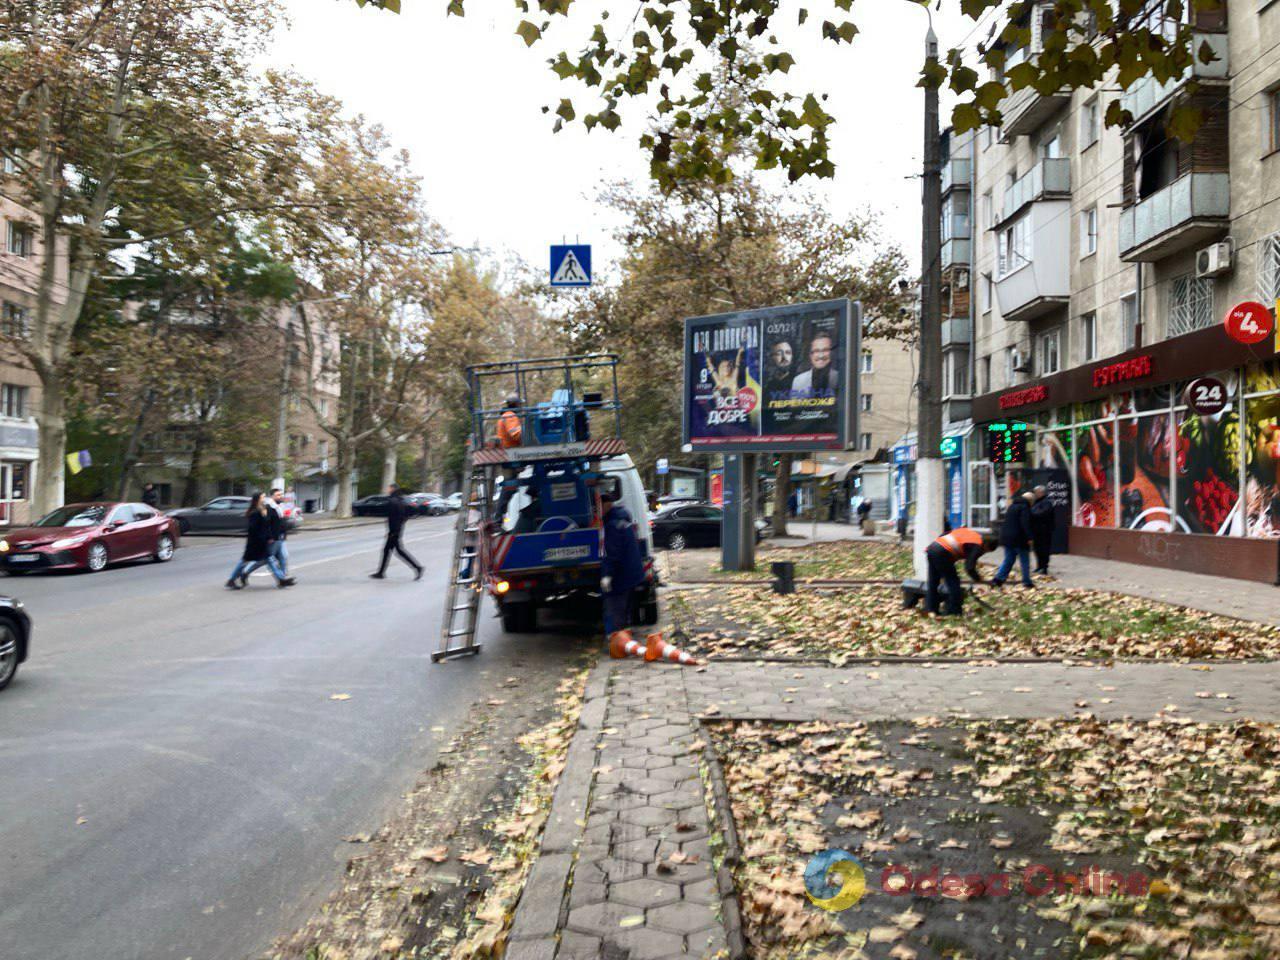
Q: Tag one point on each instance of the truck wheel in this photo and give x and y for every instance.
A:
(519, 617)
(644, 608)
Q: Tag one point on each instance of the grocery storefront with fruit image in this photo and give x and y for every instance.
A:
(1172, 452)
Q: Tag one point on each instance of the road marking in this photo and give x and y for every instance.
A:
(364, 551)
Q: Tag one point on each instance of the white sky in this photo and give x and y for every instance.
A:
(464, 97)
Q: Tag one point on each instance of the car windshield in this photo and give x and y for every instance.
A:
(74, 516)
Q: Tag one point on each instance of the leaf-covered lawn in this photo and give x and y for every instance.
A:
(870, 622)
(1188, 814)
(839, 560)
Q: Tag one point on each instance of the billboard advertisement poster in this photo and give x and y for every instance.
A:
(781, 378)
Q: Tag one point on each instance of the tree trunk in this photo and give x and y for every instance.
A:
(424, 472)
(130, 457)
(781, 494)
(346, 477)
(390, 462)
(191, 488)
(50, 478)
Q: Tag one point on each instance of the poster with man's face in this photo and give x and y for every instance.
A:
(770, 378)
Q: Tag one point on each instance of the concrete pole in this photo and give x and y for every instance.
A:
(282, 416)
(929, 466)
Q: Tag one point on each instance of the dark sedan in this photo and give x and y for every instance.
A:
(15, 638)
(428, 504)
(690, 525)
(88, 536)
(375, 505)
(224, 515)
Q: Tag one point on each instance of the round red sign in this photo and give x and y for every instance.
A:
(1207, 396)
(1249, 322)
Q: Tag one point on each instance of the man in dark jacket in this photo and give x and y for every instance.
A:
(622, 569)
(1042, 522)
(397, 511)
(1015, 537)
(150, 496)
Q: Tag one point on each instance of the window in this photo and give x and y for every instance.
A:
(13, 400)
(1269, 269)
(864, 403)
(20, 239)
(991, 137)
(10, 165)
(955, 374)
(986, 374)
(987, 293)
(988, 210)
(867, 362)
(1128, 321)
(1089, 232)
(323, 446)
(1190, 304)
(1049, 351)
(323, 405)
(1089, 118)
(1011, 177)
(14, 321)
(1088, 337)
(142, 512)
(1273, 120)
(864, 441)
(1011, 363)
(122, 514)
(1051, 148)
(1015, 246)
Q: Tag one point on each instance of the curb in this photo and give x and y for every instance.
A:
(723, 811)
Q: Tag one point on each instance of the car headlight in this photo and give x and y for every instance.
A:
(4, 546)
(67, 543)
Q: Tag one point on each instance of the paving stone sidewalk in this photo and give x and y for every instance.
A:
(626, 870)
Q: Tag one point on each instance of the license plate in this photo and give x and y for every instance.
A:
(24, 557)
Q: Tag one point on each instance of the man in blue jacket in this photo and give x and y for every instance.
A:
(1015, 537)
(622, 568)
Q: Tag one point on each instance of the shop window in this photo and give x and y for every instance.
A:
(21, 239)
(1088, 337)
(1262, 451)
(13, 400)
(1190, 304)
(1269, 269)
(1049, 352)
(15, 321)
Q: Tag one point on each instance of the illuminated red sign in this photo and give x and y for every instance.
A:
(1134, 369)
(1021, 398)
(1249, 322)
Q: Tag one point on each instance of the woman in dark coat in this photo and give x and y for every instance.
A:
(257, 547)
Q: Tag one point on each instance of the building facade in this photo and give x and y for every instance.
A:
(1105, 262)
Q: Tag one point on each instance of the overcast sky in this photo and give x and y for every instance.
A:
(464, 96)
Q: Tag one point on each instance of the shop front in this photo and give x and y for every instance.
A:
(956, 452)
(1172, 452)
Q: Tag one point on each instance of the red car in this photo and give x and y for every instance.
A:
(89, 536)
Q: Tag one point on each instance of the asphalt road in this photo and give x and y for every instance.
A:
(175, 779)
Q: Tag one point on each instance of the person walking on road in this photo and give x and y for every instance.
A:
(1015, 537)
(623, 566)
(942, 556)
(150, 496)
(257, 548)
(1042, 523)
(279, 530)
(397, 511)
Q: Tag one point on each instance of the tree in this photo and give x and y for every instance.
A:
(122, 114)
(668, 54)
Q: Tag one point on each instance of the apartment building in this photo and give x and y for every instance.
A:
(1104, 262)
(22, 257)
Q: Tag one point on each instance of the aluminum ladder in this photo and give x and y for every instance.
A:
(465, 593)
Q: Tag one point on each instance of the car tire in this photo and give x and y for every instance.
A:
(521, 617)
(97, 558)
(8, 652)
(676, 541)
(164, 548)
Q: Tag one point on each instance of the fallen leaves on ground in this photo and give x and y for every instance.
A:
(835, 560)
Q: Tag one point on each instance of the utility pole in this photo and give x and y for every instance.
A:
(282, 415)
(929, 484)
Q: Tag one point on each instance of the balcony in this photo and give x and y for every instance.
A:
(957, 173)
(956, 251)
(1027, 110)
(1146, 95)
(1188, 212)
(1048, 179)
(956, 332)
(1042, 284)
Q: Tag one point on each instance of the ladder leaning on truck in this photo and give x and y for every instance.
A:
(530, 533)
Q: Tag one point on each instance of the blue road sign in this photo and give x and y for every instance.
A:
(571, 265)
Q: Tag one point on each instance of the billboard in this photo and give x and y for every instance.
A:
(781, 378)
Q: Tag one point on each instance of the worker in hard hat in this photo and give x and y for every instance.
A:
(962, 543)
(510, 434)
(622, 566)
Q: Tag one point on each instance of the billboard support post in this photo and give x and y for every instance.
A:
(737, 533)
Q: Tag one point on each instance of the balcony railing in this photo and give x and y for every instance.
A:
(1188, 211)
(1026, 110)
(1042, 284)
(956, 331)
(1051, 177)
(1146, 94)
(957, 172)
(955, 250)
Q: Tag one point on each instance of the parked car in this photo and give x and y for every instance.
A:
(428, 504)
(454, 500)
(15, 638)
(89, 536)
(225, 515)
(691, 525)
(374, 505)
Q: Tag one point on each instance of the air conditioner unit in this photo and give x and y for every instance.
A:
(1214, 259)
(1021, 362)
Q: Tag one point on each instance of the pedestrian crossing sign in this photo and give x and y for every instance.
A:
(571, 265)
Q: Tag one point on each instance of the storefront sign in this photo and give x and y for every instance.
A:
(950, 447)
(1207, 396)
(1249, 322)
(1021, 398)
(1008, 442)
(1136, 368)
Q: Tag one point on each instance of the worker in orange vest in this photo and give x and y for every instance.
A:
(942, 556)
(510, 434)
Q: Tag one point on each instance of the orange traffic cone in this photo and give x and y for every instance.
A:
(622, 645)
(657, 648)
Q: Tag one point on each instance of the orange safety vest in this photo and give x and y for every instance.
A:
(958, 539)
(509, 429)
